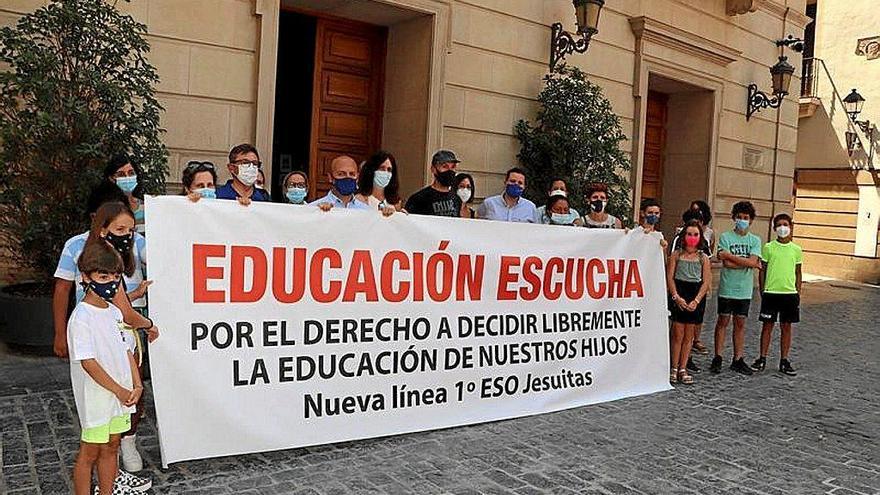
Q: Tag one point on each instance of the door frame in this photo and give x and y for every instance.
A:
(268, 11)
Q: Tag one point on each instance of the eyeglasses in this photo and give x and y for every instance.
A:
(257, 163)
(194, 164)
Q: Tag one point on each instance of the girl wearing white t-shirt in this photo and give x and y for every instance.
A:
(103, 372)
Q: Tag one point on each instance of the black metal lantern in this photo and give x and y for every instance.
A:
(781, 74)
(854, 103)
(563, 43)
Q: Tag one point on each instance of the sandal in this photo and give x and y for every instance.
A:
(700, 348)
(673, 376)
(685, 378)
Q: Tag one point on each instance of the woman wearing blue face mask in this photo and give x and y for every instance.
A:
(378, 183)
(199, 180)
(295, 187)
(558, 212)
(122, 172)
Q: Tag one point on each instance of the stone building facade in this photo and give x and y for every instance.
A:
(305, 79)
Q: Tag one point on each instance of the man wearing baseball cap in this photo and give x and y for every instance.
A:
(438, 199)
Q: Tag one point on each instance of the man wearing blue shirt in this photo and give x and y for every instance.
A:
(244, 165)
(509, 206)
(343, 175)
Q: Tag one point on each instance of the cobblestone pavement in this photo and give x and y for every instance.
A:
(814, 433)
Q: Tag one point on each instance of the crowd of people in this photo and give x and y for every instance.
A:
(102, 271)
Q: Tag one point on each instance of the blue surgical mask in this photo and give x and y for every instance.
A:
(382, 178)
(346, 186)
(741, 225)
(563, 218)
(127, 184)
(513, 190)
(206, 192)
(652, 219)
(296, 195)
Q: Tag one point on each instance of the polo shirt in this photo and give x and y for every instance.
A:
(226, 191)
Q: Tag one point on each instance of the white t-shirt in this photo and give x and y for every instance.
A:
(96, 333)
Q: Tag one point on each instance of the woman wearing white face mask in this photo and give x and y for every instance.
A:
(378, 184)
(124, 174)
(199, 181)
(296, 187)
(464, 188)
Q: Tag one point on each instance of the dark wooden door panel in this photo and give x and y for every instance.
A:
(655, 145)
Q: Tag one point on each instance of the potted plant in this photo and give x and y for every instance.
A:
(577, 137)
(77, 90)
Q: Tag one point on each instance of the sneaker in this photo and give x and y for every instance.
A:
(785, 367)
(759, 364)
(131, 459)
(741, 367)
(118, 490)
(715, 367)
(699, 348)
(692, 366)
(132, 482)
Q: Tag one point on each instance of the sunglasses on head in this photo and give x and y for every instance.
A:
(194, 164)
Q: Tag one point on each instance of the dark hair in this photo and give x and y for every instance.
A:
(596, 187)
(703, 246)
(103, 218)
(647, 203)
(98, 256)
(692, 215)
(113, 166)
(241, 149)
(289, 175)
(368, 172)
(462, 176)
(782, 216)
(554, 180)
(104, 192)
(514, 170)
(552, 202)
(743, 207)
(704, 209)
(194, 167)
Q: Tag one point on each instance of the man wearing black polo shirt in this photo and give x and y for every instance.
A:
(244, 165)
(438, 199)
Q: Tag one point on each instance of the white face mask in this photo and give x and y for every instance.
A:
(382, 178)
(558, 192)
(248, 174)
(464, 194)
(783, 231)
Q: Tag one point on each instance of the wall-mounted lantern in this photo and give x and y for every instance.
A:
(781, 74)
(854, 102)
(563, 43)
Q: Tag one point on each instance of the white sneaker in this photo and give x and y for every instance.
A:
(131, 459)
(128, 481)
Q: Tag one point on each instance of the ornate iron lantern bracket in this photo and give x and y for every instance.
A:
(759, 100)
(563, 43)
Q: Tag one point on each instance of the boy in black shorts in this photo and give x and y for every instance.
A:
(780, 292)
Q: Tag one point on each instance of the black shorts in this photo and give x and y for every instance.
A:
(687, 291)
(735, 307)
(784, 307)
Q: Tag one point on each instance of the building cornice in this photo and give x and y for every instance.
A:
(652, 30)
(772, 7)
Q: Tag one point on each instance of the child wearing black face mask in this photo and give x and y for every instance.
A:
(103, 372)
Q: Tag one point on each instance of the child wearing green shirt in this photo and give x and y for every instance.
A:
(780, 292)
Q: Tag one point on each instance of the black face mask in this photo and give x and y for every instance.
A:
(446, 178)
(105, 291)
(121, 243)
(597, 205)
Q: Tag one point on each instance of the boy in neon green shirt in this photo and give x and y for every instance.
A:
(780, 292)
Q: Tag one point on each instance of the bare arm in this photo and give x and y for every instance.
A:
(100, 376)
(132, 317)
(137, 387)
(707, 279)
(799, 279)
(670, 275)
(750, 262)
(762, 277)
(60, 301)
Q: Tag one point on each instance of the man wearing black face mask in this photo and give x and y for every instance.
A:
(438, 199)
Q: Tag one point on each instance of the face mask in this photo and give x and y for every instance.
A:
(652, 219)
(562, 218)
(382, 178)
(127, 184)
(741, 225)
(296, 195)
(598, 206)
(105, 291)
(558, 192)
(248, 174)
(464, 194)
(346, 186)
(513, 190)
(121, 243)
(206, 192)
(783, 231)
(691, 240)
(446, 178)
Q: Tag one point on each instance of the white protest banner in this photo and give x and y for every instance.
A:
(285, 326)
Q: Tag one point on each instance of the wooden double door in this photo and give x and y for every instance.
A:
(347, 95)
(655, 145)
